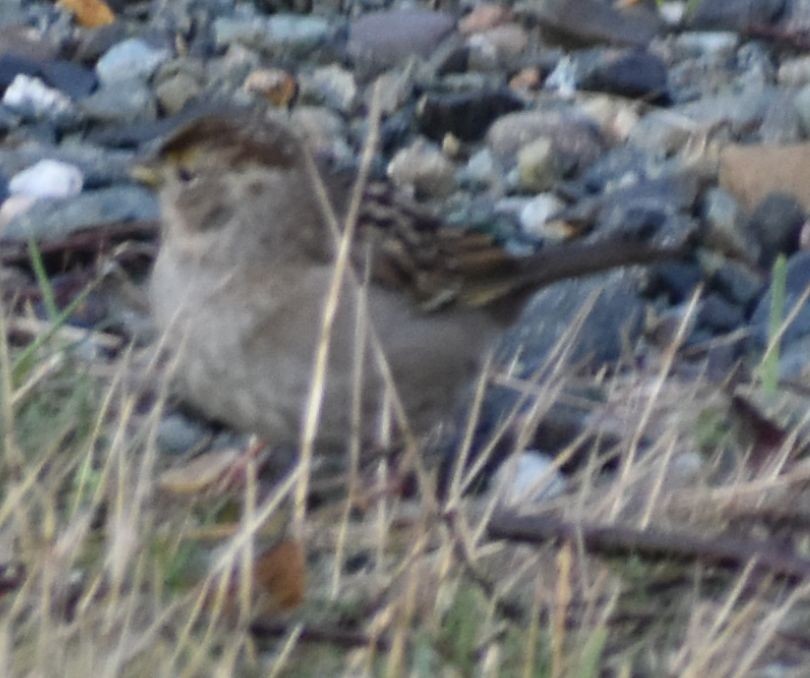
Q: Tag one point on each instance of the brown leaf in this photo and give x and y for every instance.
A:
(281, 572)
(89, 13)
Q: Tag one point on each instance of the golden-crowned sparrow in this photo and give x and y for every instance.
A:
(247, 257)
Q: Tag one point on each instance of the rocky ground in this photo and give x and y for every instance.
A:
(540, 121)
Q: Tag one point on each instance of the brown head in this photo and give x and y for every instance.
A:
(236, 190)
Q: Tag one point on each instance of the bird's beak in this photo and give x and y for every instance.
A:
(148, 172)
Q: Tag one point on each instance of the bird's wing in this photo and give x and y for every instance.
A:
(405, 246)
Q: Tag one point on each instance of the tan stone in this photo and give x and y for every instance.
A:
(753, 171)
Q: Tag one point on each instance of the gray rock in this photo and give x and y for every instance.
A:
(55, 219)
(675, 280)
(291, 35)
(781, 123)
(512, 206)
(499, 47)
(619, 166)
(331, 85)
(21, 39)
(733, 15)
(684, 470)
(741, 111)
(794, 361)
(711, 44)
(423, 168)
(802, 104)
(550, 332)
(661, 132)
(631, 73)
(9, 120)
(656, 210)
(718, 316)
(796, 16)
(466, 114)
(179, 82)
(296, 33)
(754, 67)
(539, 166)
(615, 318)
(794, 72)
(587, 22)
(130, 59)
(323, 129)
(176, 92)
(666, 131)
(725, 222)
(385, 38)
(481, 171)
(230, 71)
(246, 30)
(91, 45)
(121, 101)
(797, 283)
(71, 79)
(576, 139)
(177, 434)
(775, 225)
(737, 282)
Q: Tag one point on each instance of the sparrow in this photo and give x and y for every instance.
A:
(247, 257)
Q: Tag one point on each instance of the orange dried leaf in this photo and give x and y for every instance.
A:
(281, 572)
(89, 13)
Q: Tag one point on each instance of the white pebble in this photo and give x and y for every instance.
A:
(672, 12)
(528, 479)
(29, 94)
(48, 179)
(536, 213)
(12, 207)
(563, 78)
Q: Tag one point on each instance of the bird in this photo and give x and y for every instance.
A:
(247, 256)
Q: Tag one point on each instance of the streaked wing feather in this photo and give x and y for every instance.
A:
(440, 265)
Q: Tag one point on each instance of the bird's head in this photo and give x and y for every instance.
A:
(235, 187)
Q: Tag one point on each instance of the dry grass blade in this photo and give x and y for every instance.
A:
(628, 462)
(319, 376)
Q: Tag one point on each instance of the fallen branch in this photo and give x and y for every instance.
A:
(798, 39)
(616, 540)
(93, 239)
(333, 636)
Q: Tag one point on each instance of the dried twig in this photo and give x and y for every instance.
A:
(93, 239)
(613, 539)
(314, 634)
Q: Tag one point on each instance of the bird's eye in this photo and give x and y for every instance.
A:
(185, 175)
